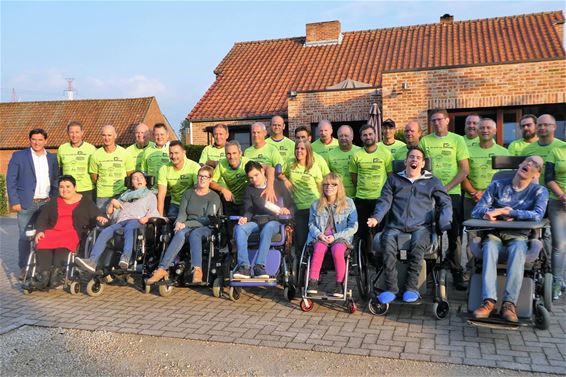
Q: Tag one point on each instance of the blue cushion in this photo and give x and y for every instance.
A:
(411, 296)
(386, 297)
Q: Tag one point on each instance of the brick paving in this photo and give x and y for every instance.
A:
(263, 317)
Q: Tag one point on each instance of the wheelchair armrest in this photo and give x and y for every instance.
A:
(234, 218)
(486, 224)
(285, 218)
(157, 221)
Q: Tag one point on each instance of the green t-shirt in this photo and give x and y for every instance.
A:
(267, 154)
(178, 181)
(481, 172)
(372, 170)
(339, 162)
(558, 158)
(445, 153)
(517, 146)
(137, 153)
(401, 153)
(472, 142)
(74, 162)
(323, 149)
(393, 148)
(536, 149)
(305, 184)
(285, 146)
(111, 169)
(235, 180)
(154, 158)
(212, 153)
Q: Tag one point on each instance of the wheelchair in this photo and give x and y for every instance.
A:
(431, 281)
(535, 298)
(215, 262)
(279, 262)
(306, 304)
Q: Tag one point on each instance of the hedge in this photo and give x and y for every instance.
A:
(3, 197)
(194, 151)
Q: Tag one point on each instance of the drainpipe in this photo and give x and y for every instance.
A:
(191, 131)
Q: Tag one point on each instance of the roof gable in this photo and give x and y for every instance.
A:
(254, 78)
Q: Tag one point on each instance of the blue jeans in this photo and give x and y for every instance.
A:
(102, 203)
(173, 211)
(107, 233)
(516, 251)
(243, 232)
(557, 216)
(24, 217)
(195, 236)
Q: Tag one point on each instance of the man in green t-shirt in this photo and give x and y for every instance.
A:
(108, 166)
(302, 133)
(260, 150)
(73, 158)
(211, 154)
(326, 142)
(481, 171)
(528, 126)
(388, 141)
(284, 145)
(412, 132)
(449, 156)
(157, 156)
(546, 127)
(141, 133)
(369, 168)
(175, 177)
(471, 126)
(339, 158)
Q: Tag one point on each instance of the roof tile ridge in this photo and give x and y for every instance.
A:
(196, 108)
(269, 40)
(79, 100)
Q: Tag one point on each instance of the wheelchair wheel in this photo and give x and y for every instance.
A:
(362, 277)
(351, 306)
(146, 287)
(289, 292)
(94, 288)
(217, 287)
(74, 288)
(306, 305)
(234, 293)
(26, 291)
(165, 290)
(377, 308)
(542, 318)
(441, 309)
(547, 291)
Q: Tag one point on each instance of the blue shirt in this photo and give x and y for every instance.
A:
(528, 204)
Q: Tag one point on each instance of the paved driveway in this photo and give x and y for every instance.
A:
(263, 317)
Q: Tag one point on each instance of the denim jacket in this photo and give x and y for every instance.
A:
(345, 223)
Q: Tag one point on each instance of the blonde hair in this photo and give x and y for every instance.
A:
(341, 203)
(310, 156)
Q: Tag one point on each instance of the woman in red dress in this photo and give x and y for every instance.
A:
(60, 226)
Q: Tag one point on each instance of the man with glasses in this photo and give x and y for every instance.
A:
(528, 126)
(449, 156)
(546, 127)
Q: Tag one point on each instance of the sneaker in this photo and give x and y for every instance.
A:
(313, 286)
(338, 290)
(243, 272)
(197, 275)
(556, 290)
(509, 312)
(85, 264)
(158, 274)
(123, 264)
(259, 272)
(459, 282)
(485, 309)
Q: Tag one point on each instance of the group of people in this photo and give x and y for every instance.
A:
(333, 189)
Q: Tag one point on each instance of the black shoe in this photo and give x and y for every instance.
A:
(243, 272)
(313, 287)
(259, 272)
(458, 280)
(338, 290)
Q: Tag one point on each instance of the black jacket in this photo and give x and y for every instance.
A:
(84, 216)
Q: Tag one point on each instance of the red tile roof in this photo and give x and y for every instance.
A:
(18, 118)
(254, 78)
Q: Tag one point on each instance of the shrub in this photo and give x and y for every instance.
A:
(3, 197)
(194, 151)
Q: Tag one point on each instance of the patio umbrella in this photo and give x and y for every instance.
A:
(375, 119)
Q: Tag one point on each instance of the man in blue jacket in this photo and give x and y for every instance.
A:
(30, 182)
(410, 198)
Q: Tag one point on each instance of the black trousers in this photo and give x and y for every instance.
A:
(365, 208)
(454, 255)
(301, 230)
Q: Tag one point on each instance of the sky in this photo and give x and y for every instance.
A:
(170, 49)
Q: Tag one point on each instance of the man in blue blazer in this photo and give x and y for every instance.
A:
(31, 181)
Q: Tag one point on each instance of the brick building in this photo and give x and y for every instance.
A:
(18, 118)
(501, 67)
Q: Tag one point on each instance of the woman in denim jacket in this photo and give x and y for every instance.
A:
(333, 221)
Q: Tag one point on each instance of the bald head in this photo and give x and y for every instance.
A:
(142, 135)
(325, 131)
(277, 127)
(412, 132)
(108, 136)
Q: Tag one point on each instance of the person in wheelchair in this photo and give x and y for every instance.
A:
(409, 198)
(130, 211)
(333, 221)
(518, 198)
(60, 226)
(258, 216)
(192, 222)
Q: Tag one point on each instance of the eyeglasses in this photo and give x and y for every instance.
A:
(433, 120)
(205, 177)
(545, 124)
(333, 185)
(533, 164)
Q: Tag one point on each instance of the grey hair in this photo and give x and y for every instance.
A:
(233, 142)
(261, 125)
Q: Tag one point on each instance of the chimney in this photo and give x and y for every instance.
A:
(446, 19)
(323, 33)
